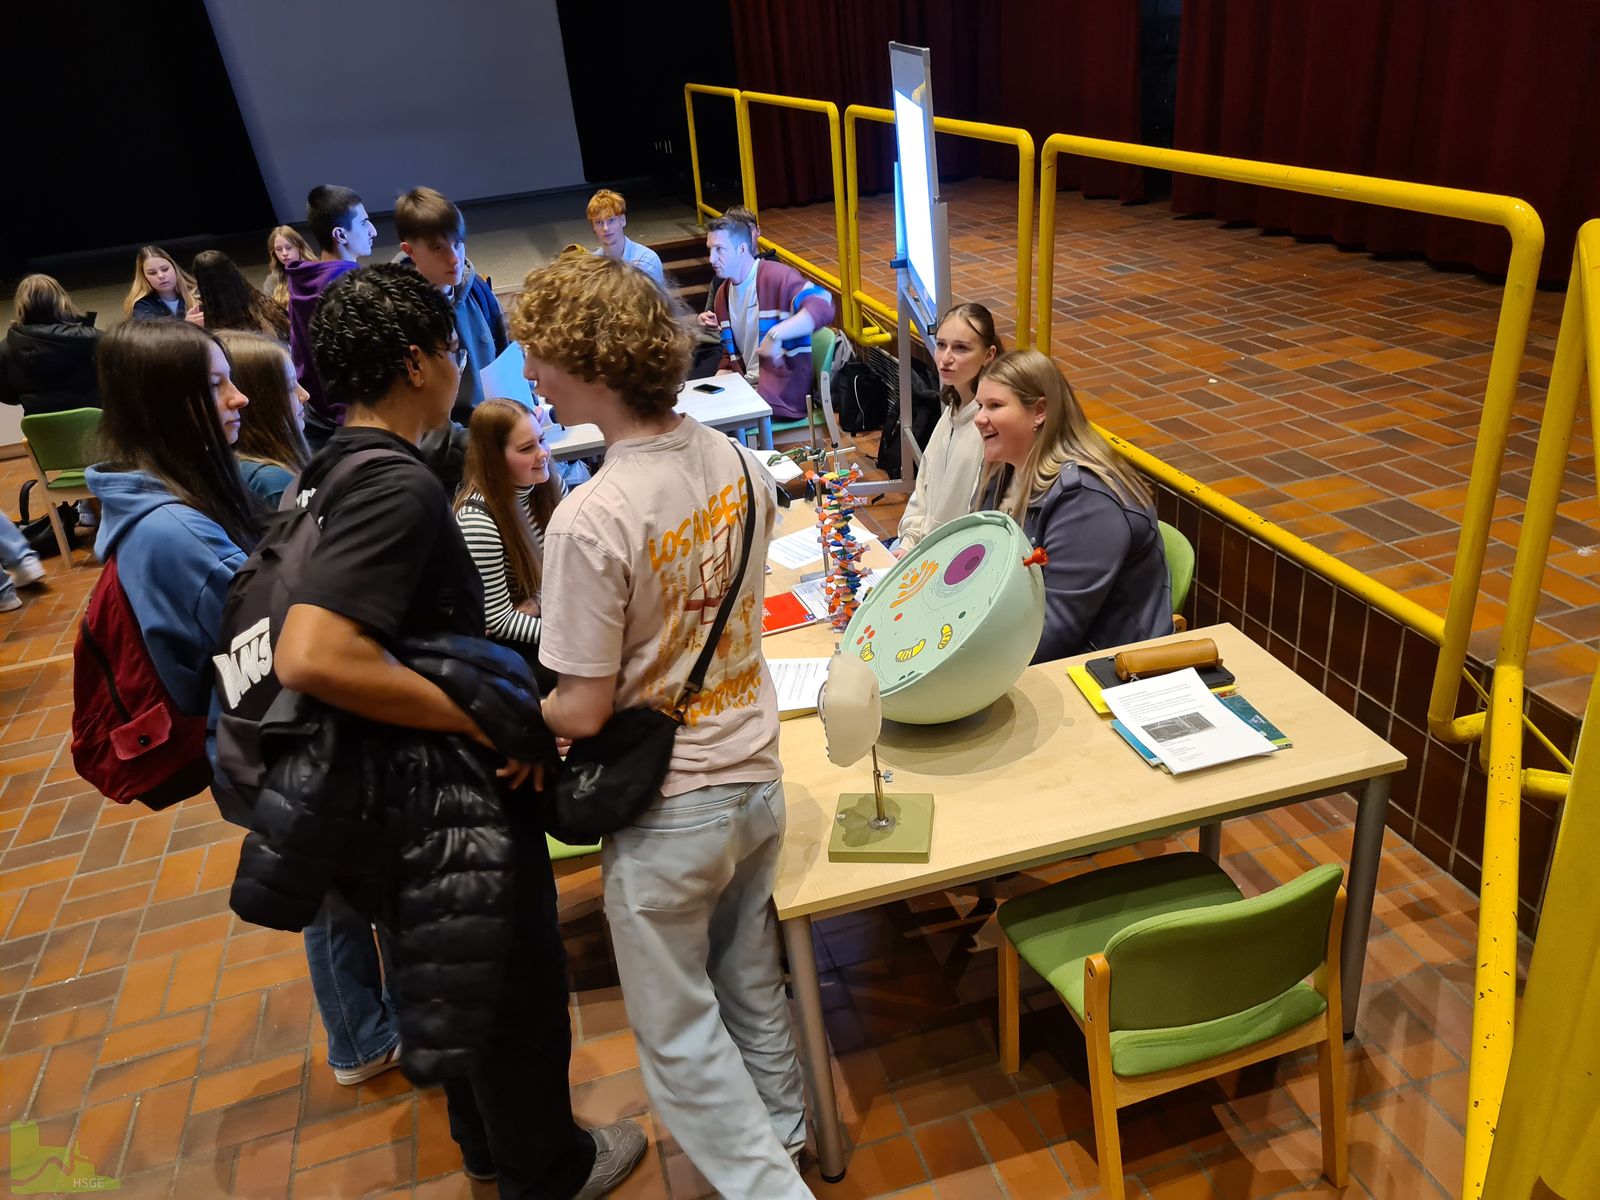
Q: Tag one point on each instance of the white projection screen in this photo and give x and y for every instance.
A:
(921, 213)
(382, 95)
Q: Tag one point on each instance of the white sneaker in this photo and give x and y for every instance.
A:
(29, 570)
(355, 1075)
(10, 602)
(87, 517)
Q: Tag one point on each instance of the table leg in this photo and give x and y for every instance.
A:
(766, 433)
(1361, 885)
(814, 1047)
(1211, 841)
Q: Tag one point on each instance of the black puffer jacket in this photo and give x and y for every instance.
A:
(49, 368)
(415, 830)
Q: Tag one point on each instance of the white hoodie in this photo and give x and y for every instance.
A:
(948, 476)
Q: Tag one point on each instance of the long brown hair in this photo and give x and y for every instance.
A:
(487, 477)
(277, 276)
(1065, 437)
(981, 321)
(158, 415)
(141, 286)
(232, 302)
(41, 300)
(267, 429)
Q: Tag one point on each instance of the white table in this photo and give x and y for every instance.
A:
(736, 408)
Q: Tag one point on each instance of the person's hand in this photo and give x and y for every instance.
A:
(563, 746)
(900, 551)
(709, 320)
(770, 349)
(515, 772)
(529, 608)
(195, 316)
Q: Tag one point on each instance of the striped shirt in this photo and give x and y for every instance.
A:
(484, 543)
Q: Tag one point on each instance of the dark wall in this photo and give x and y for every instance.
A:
(122, 129)
(627, 75)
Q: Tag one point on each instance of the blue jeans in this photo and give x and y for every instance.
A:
(348, 981)
(13, 549)
(689, 902)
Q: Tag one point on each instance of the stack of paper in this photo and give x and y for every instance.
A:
(801, 549)
(797, 681)
(1175, 721)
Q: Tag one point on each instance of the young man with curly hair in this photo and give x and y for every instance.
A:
(636, 563)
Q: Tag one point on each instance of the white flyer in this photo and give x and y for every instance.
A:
(810, 592)
(1182, 723)
(797, 682)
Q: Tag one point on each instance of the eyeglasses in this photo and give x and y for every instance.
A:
(457, 354)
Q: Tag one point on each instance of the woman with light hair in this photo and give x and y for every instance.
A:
(285, 245)
(47, 358)
(1049, 470)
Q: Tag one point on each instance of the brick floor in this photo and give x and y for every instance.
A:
(1336, 394)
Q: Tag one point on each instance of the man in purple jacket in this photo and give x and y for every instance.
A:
(340, 224)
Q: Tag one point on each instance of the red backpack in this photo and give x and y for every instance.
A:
(128, 737)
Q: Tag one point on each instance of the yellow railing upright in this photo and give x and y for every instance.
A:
(747, 180)
(1516, 308)
(1544, 1064)
(1003, 134)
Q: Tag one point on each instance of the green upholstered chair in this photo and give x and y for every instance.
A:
(1174, 978)
(561, 852)
(60, 446)
(1180, 564)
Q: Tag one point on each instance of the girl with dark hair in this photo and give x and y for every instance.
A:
(508, 492)
(230, 301)
(174, 511)
(271, 447)
(47, 358)
(965, 344)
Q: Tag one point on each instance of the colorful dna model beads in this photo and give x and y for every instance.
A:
(835, 507)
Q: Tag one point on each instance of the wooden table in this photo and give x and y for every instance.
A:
(736, 408)
(1039, 777)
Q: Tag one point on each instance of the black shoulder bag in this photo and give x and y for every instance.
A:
(612, 777)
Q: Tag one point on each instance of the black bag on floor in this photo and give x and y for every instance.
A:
(860, 398)
(924, 416)
(40, 536)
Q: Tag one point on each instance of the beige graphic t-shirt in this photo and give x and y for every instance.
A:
(636, 563)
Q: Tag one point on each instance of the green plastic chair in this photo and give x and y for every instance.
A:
(561, 852)
(1180, 564)
(60, 447)
(1174, 978)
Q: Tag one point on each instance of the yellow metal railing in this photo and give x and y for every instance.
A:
(1516, 307)
(1003, 134)
(1554, 1036)
(742, 124)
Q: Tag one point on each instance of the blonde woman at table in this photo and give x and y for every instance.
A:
(964, 346)
(1046, 467)
(637, 562)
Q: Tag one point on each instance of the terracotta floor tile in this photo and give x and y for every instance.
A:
(360, 1174)
(254, 1079)
(143, 1074)
(158, 1126)
(375, 1125)
(135, 1041)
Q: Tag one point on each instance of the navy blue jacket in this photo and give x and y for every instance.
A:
(1106, 582)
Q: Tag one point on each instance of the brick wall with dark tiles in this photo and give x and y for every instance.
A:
(1382, 673)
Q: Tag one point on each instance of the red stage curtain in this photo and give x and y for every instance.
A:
(1493, 97)
(1042, 65)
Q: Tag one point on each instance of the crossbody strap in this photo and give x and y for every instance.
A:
(697, 677)
(333, 480)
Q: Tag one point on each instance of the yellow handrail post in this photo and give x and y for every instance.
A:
(1494, 1015)
(747, 157)
(701, 208)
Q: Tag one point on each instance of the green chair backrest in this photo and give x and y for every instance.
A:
(822, 347)
(1199, 964)
(1180, 563)
(62, 441)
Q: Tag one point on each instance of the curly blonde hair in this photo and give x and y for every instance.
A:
(602, 319)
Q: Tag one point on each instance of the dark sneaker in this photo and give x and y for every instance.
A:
(478, 1166)
(618, 1149)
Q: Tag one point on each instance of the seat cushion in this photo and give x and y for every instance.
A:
(1145, 1051)
(67, 479)
(1055, 928)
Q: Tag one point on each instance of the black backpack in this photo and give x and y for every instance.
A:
(860, 398)
(924, 416)
(252, 618)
